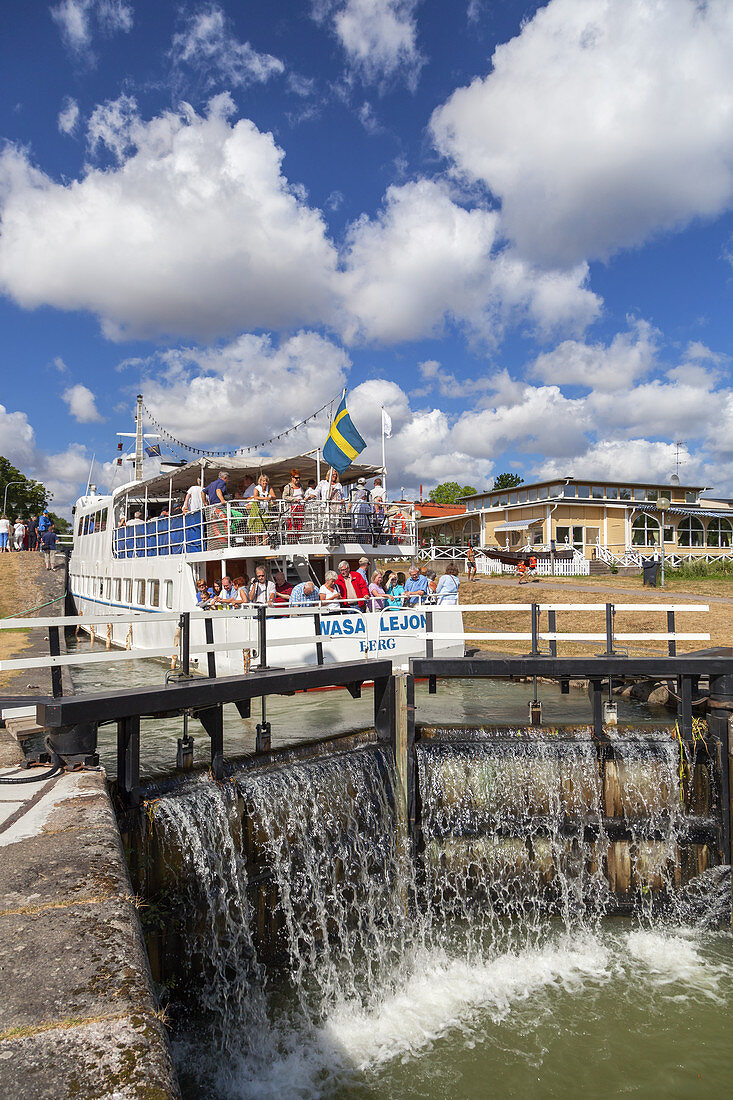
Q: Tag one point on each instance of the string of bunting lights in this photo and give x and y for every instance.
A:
(236, 450)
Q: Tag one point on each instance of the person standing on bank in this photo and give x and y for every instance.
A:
(471, 562)
(48, 546)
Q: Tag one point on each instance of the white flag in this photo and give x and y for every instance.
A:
(386, 424)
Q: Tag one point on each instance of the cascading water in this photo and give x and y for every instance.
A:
(322, 955)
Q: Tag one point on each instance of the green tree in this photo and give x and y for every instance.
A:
(61, 525)
(25, 498)
(507, 481)
(450, 492)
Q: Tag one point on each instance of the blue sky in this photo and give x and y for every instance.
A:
(509, 223)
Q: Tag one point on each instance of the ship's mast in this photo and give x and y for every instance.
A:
(139, 439)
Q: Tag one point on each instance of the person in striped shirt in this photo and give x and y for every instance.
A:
(304, 594)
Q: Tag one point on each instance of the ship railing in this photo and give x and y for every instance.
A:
(276, 524)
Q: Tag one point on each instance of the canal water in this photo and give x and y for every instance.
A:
(406, 1003)
(321, 714)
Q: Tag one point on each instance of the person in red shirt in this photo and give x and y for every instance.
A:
(353, 588)
(282, 590)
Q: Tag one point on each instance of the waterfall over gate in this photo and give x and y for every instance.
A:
(304, 933)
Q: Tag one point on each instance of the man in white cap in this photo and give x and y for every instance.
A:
(364, 568)
(361, 508)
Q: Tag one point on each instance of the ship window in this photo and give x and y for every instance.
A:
(128, 591)
(169, 594)
(103, 520)
(140, 592)
(107, 588)
(154, 593)
(118, 589)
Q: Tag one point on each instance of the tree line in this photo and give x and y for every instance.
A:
(450, 492)
(24, 497)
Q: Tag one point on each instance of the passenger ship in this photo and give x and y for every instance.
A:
(153, 566)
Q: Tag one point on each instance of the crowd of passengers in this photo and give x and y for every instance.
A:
(256, 498)
(342, 591)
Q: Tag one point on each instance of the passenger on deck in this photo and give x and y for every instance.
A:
(246, 488)
(376, 591)
(215, 491)
(242, 586)
(395, 589)
(293, 496)
(361, 509)
(416, 586)
(262, 591)
(136, 519)
(304, 595)
(329, 594)
(262, 496)
(282, 590)
(311, 492)
(229, 594)
(202, 592)
(353, 588)
(195, 499)
(364, 568)
(447, 590)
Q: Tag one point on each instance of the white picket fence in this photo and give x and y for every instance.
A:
(578, 567)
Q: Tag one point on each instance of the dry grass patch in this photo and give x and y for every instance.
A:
(18, 590)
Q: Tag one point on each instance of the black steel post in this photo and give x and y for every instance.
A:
(262, 635)
(684, 706)
(720, 708)
(384, 712)
(432, 685)
(212, 719)
(610, 612)
(535, 629)
(210, 657)
(319, 645)
(128, 759)
(264, 731)
(552, 627)
(428, 630)
(54, 649)
(670, 630)
(597, 708)
(413, 808)
(185, 626)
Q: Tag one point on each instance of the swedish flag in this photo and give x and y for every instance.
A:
(344, 443)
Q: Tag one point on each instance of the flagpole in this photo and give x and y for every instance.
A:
(384, 461)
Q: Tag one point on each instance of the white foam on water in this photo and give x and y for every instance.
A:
(671, 958)
(443, 994)
(439, 995)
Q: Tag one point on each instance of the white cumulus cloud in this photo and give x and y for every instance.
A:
(379, 37)
(196, 232)
(82, 404)
(68, 116)
(425, 260)
(600, 124)
(79, 21)
(207, 44)
(606, 368)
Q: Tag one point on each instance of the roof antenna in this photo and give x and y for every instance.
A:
(89, 476)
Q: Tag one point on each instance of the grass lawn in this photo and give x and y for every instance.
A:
(18, 590)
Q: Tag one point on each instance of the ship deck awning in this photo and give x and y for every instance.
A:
(518, 525)
(277, 469)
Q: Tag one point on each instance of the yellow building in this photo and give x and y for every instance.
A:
(612, 521)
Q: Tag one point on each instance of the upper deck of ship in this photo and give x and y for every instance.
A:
(105, 526)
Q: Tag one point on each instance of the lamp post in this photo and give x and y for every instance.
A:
(663, 505)
(5, 495)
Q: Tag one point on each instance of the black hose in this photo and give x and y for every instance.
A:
(58, 766)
